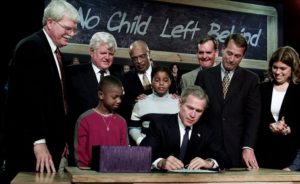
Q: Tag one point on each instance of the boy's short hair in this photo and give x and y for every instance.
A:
(109, 81)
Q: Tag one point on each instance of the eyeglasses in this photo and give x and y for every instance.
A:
(142, 57)
(68, 29)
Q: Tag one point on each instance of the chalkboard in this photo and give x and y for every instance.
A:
(173, 27)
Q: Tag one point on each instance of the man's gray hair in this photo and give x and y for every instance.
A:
(103, 38)
(56, 9)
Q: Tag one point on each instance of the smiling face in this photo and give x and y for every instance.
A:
(191, 110)
(281, 72)
(284, 65)
(207, 54)
(102, 56)
(61, 31)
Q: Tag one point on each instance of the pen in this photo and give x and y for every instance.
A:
(217, 169)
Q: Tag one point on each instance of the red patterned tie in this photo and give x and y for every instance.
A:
(59, 59)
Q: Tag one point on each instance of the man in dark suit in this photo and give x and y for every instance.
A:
(167, 132)
(295, 166)
(137, 82)
(207, 52)
(133, 81)
(35, 111)
(83, 79)
(234, 110)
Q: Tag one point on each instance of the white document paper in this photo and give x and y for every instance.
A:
(193, 171)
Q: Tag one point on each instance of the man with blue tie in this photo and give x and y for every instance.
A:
(181, 140)
(295, 166)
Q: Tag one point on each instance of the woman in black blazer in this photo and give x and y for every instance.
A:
(279, 132)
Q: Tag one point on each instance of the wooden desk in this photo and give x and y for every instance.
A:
(38, 178)
(258, 176)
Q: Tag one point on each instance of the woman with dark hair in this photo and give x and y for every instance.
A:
(175, 79)
(279, 133)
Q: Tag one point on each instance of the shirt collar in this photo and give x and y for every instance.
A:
(148, 71)
(223, 71)
(160, 97)
(181, 125)
(50, 41)
(96, 70)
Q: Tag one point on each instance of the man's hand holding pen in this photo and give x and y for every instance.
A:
(173, 163)
(170, 163)
(199, 163)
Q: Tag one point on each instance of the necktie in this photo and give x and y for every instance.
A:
(102, 72)
(184, 144)
(225, 83)
(62, 81)
(146, 83)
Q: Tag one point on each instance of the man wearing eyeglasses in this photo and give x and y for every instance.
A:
(36, 110)
(137, 82)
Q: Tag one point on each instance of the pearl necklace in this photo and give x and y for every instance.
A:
(107, 124)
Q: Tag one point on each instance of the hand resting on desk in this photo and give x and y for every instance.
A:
(173, 163)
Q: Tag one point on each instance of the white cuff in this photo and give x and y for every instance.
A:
(139, 139)
(41, 141)
(154, 164)
(215, 163)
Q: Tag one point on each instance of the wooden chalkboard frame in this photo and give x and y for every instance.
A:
(272, 33)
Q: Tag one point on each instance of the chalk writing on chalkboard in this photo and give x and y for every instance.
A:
(168, 27)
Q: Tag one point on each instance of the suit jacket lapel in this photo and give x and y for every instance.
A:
(195, 138)
(196, 143)
(91, 79)
(138, 81)
(217, 82)
(50, 60)
(286, 99)
(268, 98)
(194, 75)
(235, 83)
(91, 76)
(174, 135)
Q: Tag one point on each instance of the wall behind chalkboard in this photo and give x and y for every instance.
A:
(175, 28)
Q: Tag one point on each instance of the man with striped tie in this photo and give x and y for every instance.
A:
(234, 105)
